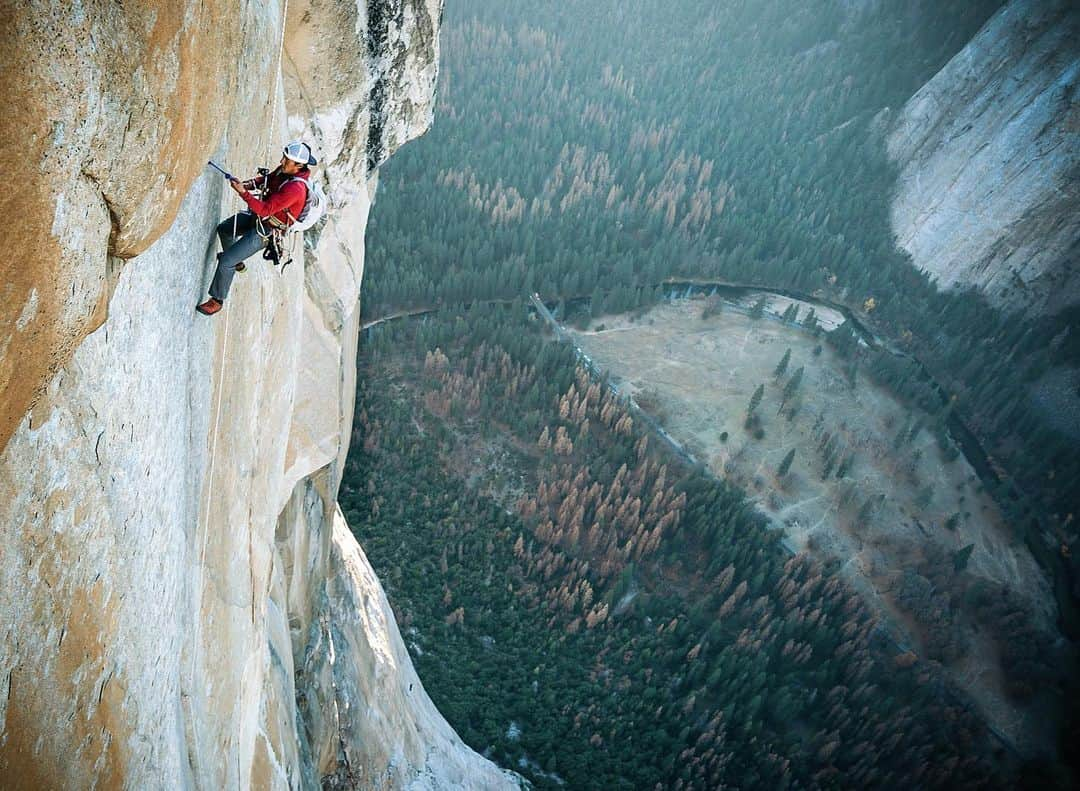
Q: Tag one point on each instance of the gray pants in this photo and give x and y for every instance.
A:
(234, 249)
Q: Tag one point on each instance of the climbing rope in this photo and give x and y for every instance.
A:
(195, 645)
(225, 344)
(217, 407)
(277, 72)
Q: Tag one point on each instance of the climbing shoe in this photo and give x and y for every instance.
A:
(210, 307)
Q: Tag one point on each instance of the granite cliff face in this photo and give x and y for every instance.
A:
(182, 603)
(989, 156)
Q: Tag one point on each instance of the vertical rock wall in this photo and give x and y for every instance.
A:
(989, 154)
(178, 592)
(110, 111)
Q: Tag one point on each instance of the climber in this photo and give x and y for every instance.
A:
(284, 194)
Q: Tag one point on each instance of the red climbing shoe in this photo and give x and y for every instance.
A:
(210, 307)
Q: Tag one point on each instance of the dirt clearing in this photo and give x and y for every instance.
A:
(868, 484)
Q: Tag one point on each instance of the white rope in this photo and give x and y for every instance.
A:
(206, 526)
(213, 455)
(217, 414)
(277, 74)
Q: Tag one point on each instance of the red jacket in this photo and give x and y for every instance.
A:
(282, 196)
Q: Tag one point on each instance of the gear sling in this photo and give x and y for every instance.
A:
(278, 237)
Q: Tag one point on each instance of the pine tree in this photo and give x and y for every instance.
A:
(781, 366)
(793, 384)
(755, 399)
(827, 470)
(785, 465)
(758, 310)
(845, 465)
(961, 557)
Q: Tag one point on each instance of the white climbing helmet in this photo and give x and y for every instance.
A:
(299, 152)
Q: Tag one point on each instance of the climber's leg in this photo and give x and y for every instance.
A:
(230, 231)
(246, 246)
(232, 228)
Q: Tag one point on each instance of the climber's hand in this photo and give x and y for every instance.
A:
(238, 186)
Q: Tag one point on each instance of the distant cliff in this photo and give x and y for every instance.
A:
(989, 156)
(182, 603)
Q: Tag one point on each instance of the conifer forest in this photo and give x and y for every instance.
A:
(597, 596)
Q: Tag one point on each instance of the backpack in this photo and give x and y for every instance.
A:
(314, 205)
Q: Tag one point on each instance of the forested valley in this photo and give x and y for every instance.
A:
(580, 603)
(594, 166)
(591, 611)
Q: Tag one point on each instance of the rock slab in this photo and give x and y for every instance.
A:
(988, 195)
(173, 563)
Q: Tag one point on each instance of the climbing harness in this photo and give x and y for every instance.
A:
(277, 243)
(280, 238)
